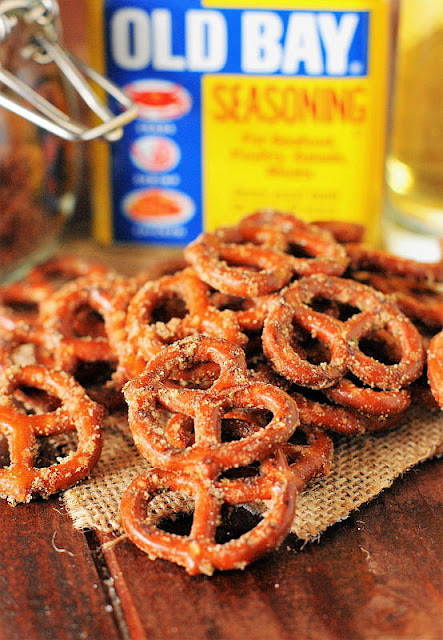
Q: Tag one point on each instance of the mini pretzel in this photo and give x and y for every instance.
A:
(61, 269)
(165, 372)
(342, 338)
(44, 279)
(207, 454)
(60, 314)
(318, 414)
(341, 420)
(283, 352)
(376, 373)
(226, 262)
(307, 460)
(325, 255)
(435, 367)
(24, 334)
(250, 313)
(367, 400)
(199, 552)
(342, 232)
(149, 334)
(311, 459)
(362, 257)
(420, 301)
(21, 479)
(19, 304)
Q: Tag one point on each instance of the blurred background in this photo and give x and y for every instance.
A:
(419, 113)
(73, 16)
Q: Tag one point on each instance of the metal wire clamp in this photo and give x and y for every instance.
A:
(43, 47)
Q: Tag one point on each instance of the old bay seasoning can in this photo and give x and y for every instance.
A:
(242, 104)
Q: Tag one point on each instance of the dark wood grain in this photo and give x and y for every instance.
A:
(375, 576)
(49, 586)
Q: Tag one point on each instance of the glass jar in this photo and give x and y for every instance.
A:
(38, 169)
(41, 87)
(413, 216)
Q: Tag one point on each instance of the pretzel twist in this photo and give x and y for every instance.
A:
(20, 480)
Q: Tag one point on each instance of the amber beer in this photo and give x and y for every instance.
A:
(414, 168)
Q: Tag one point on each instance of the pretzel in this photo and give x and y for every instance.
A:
(60, 314)
(224, 261)
(308, 456)
(21, 479)
(341, 420)
(362, 257)
(58, 270)
(166, 371)
(420, 301)
(318, 414)
(19, 305)
(435, 367)
(342, 232)
(152, 391)
(367, 400)
(255, 259)
(310, 459)
(200, 552)
(46, 278)
(43, 343)
(187, 309)
(250, 313)
(342, 337)
(284, 354)
(325, 255)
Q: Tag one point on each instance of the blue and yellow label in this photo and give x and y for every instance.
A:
(241, 106)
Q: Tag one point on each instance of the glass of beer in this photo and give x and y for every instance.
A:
(413, 215)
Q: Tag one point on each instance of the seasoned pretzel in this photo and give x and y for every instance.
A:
(224, 261)
(60, 269)
(378, 374)
(287, 358)
(61, 311)
(250, 313)
(19, 305)
(362, 257)
(420, 301)
(166, 370)
(44, 279)
(187, 309)
(342, 232)
(325, 255)
(254, 258)
(316, 413)
(21, 479)
(42, 341)
(342, 420)
(307, 457)
(207, 409)
(367, 400)
(435, 367)
(200, 552)
(342, 337)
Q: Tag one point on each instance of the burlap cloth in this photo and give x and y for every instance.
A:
(362, 467)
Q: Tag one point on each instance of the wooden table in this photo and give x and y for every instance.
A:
(375, 576)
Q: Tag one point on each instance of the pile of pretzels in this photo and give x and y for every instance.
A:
(235, 366)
